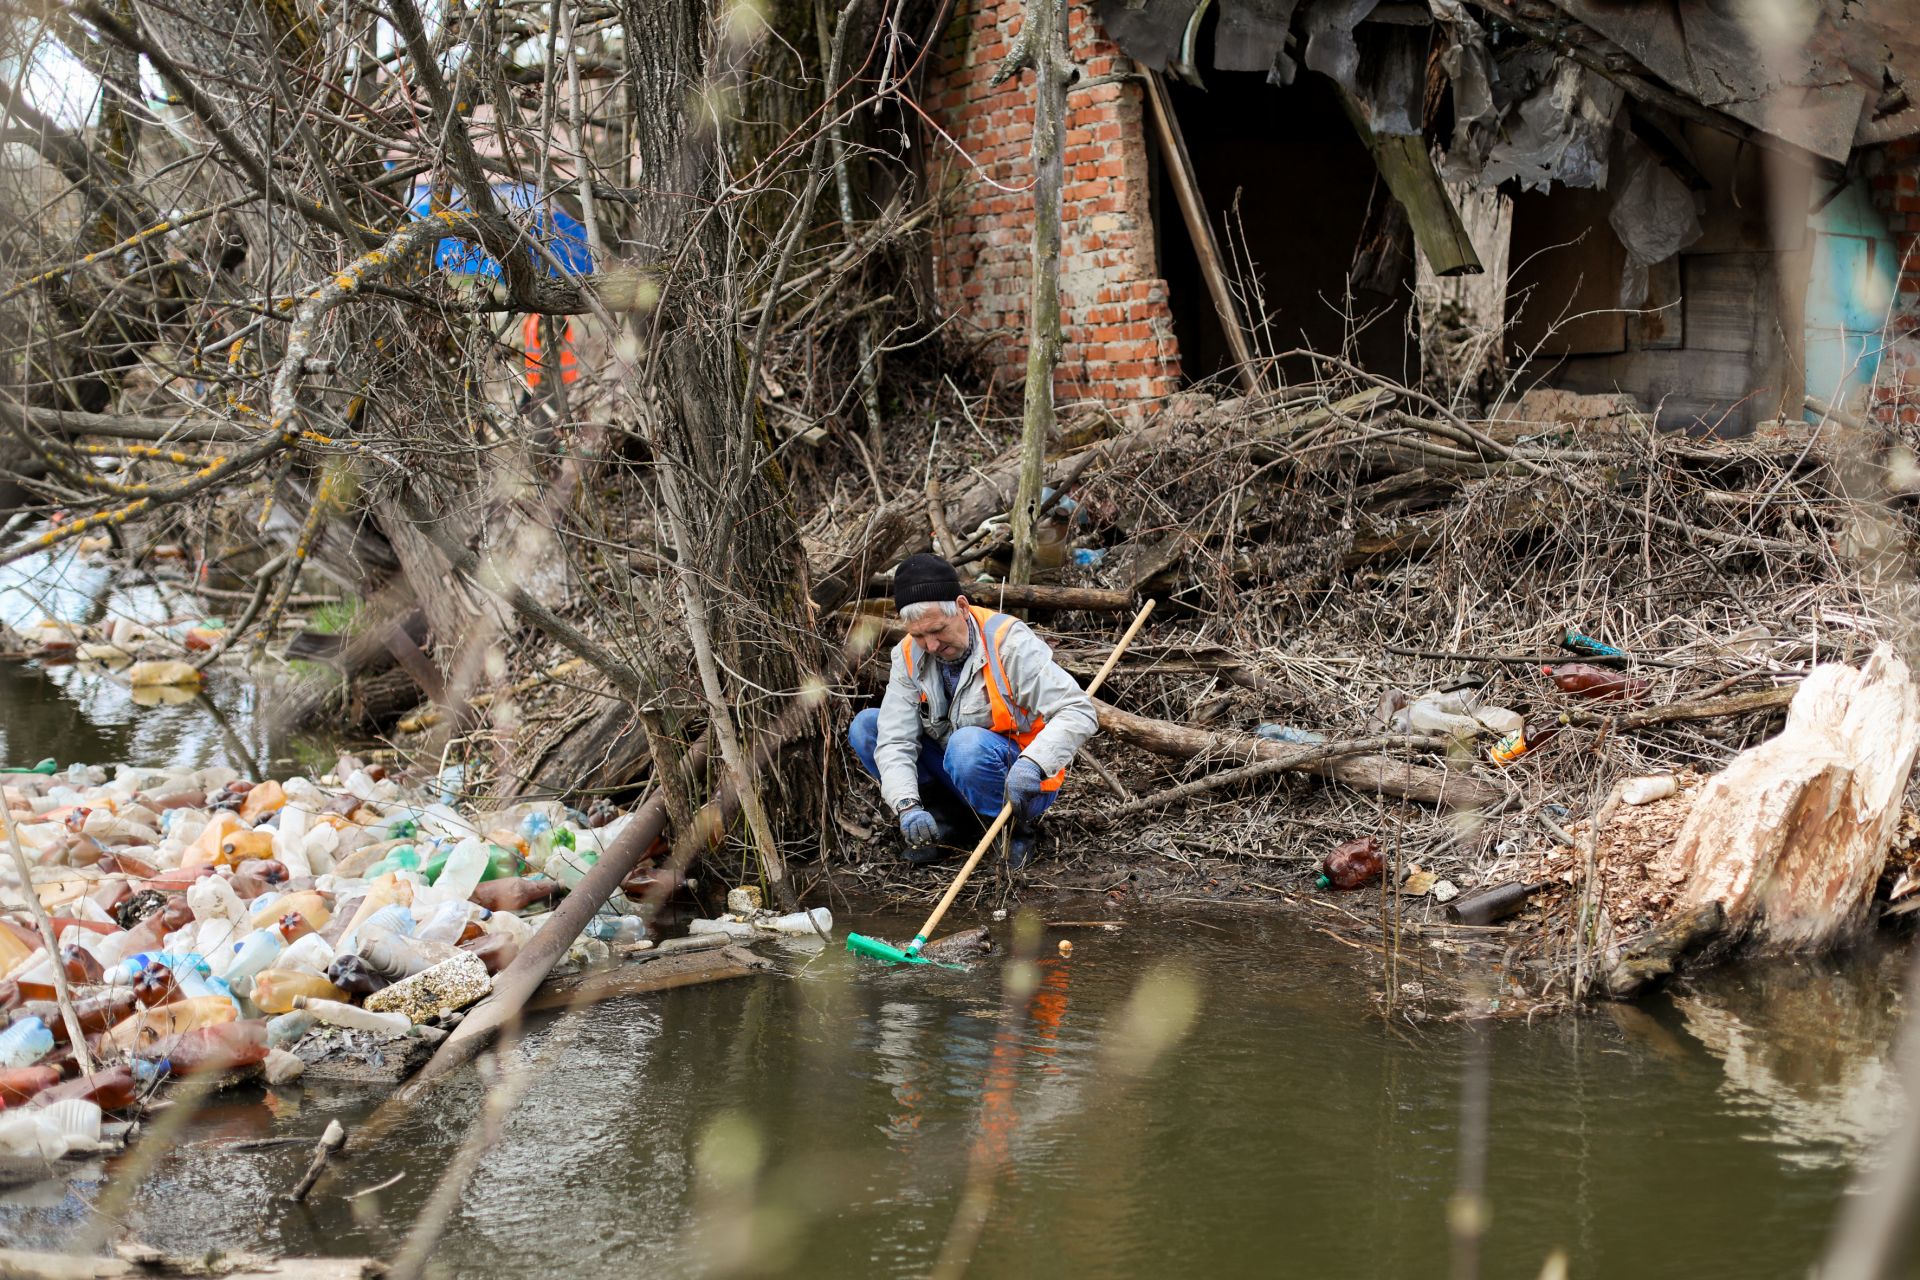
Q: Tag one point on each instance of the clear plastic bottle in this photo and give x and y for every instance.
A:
(254, 954)
(309, 954)
(336, 1014)
(462, 872)
(25, 1043)
(617, 929)
(287, 1028)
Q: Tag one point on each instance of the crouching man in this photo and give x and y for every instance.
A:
(977, 715)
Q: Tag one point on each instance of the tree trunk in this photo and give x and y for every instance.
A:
(1790, 838)
(1043, 43)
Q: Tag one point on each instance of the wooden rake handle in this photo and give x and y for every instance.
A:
(1006, 810)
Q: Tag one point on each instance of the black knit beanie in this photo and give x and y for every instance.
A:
(924, 577)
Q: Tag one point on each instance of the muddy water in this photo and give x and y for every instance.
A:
(828, 1121)
(839, 1119)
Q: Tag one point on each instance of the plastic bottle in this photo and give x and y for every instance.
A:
(12, 951)
(394, 957)
(206, 848)
(731, 928)
(254, 954)
(617, 929)
(1289, 734)
(109, 1089)
(353, 975)
(274, 989)
(496, 950)
(218, 1047)
(260, 876)
(309, 953)
(1647, 790)
(514, 893)
(25, 1043)
(1430, 715)
(268, 797)
(449, 922)
(1587, 681)
(289, 1027)
(213, 898)
(336, 1014)
(1351, 865)
(381, 892)
(95, 1012)
(1530, 739)
(17, 1084)
(809, 924)
(310, 903)
(166, 1020)
(461, 872)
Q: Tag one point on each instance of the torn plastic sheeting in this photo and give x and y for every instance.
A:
(1555, 125)
(1653, 214)
(1469, 68)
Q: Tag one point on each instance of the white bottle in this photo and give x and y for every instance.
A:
(354, 1017)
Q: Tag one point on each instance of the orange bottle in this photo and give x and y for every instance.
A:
(205, 851)
(1530, 738)
(221, 1046)
(161, 1021)
(496, 950)
(240, 846)
(274, 989)
(309, 904)
(266, 798)
(14, 949)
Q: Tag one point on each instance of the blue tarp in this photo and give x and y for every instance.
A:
(564, 237)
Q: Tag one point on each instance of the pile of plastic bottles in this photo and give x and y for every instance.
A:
(207, 923)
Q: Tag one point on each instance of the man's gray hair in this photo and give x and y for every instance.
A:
(928, 608)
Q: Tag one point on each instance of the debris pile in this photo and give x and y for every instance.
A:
(1477, 628)
(207, 925)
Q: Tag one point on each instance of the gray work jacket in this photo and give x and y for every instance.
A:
(1038, 683)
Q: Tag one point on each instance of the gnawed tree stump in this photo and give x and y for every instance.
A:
(1790, 838)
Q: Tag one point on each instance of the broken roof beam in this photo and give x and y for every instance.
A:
(1407, 167)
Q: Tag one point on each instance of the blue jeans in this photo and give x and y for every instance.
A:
(968, 771)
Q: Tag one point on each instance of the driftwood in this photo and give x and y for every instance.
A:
(641, 976)
(1656, 955)
(1380, 775)
(23, 1265)
(1790, 839)
(1733, 704)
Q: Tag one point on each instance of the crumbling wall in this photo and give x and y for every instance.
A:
(1895, 170)
(1120, 347)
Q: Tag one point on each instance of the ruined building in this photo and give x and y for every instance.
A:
(1709, 207)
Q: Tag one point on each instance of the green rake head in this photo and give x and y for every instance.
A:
(874, 949)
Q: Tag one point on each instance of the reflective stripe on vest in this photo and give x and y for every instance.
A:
(536, 364)
(1009, 717)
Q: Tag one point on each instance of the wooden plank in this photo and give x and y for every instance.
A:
(1723, 301)
(641, 976)
(1173, 147)
(231, 1266)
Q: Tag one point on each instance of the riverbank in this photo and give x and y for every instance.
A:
(826, 1122)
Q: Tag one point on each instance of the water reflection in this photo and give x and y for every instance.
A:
(86, 713)
(1807, 1048)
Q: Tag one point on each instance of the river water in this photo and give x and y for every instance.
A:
(1201, 1091)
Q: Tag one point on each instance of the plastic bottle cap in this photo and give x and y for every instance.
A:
(1322, 882)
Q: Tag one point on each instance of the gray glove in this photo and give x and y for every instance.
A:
(1024, 781)
(918, 826)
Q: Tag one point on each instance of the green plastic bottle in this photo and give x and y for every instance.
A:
(501, 863)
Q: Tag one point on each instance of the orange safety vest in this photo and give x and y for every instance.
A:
(1009, 717)
(569, 370)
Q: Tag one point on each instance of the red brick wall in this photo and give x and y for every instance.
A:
(1896, 193)
(1119, 333)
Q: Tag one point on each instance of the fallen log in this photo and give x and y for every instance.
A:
(1297, 760)
(1380, 775)
(642, 976)
(1007, 595)
(1791, 837)
(1656, 955)
(1733, 704)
